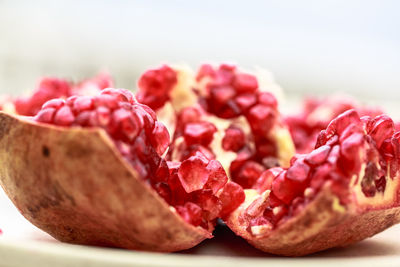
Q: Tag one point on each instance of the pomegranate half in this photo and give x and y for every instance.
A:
(344, 191)
(89, 170)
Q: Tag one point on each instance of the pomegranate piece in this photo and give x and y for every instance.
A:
(193, 173)
(340, 193)
(92, 129)
(199, 133)
(155, 86)
(234, 139)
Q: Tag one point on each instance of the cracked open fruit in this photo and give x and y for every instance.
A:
(96, 166)
(89, 170)
(343, 191)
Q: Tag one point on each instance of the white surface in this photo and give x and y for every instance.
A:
(23, 245)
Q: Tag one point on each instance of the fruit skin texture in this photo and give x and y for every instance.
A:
(44, 171)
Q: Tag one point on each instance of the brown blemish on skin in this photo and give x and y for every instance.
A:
(45, 151)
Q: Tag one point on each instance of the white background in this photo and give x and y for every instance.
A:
(311, 46)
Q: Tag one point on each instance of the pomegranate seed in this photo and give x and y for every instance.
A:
(286, 189)
(245, 101)
(190, 212)
(64, 116)
(193, 173)
(54, 103)
(232, 196)
(245, 83)
(261, 119)
(221, 95)
(268, 99)
(205, 70)
(318, 156)
(217, 176)
(248, 174)
(340, 123)
(82, 103)
(234, 139)
(382, 128)
(267, 177)
(209, 203)
(199, 133)
(45, 115)
(160, 138)
(155, 86)
(189, 114)
(298, 172)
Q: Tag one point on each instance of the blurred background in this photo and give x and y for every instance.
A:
(312, 47)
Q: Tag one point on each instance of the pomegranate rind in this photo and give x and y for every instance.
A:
(73, 184)
(322, 224)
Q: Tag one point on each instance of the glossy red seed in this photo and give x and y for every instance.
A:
(318, 156)
(245, 83)
(190, 212)
(189, 114)
(264, 182)
(199, 133)
(122, 95)
(350, 146)
(286, 189)
(82, 103)
(217, 176)
(64, 116)
(261, 119)
(205, 70)
(221, 95)
(268, 99)
(245, 101)
(234, 139)
(128, 127)
(45, 115)
(231, 197)
(209, 203)
(248, 174)
(340, 123)
(54, 103)
(382, 128)
(155, 85)
(298, 172)
(160, 138)
(193, 173)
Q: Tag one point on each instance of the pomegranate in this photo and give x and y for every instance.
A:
(93, 173)
(223, 113)
(92, 165)
(343, 191)
(316, 115)
(50, 87)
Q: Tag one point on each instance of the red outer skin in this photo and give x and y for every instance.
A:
(73, 184)
(319, 226)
